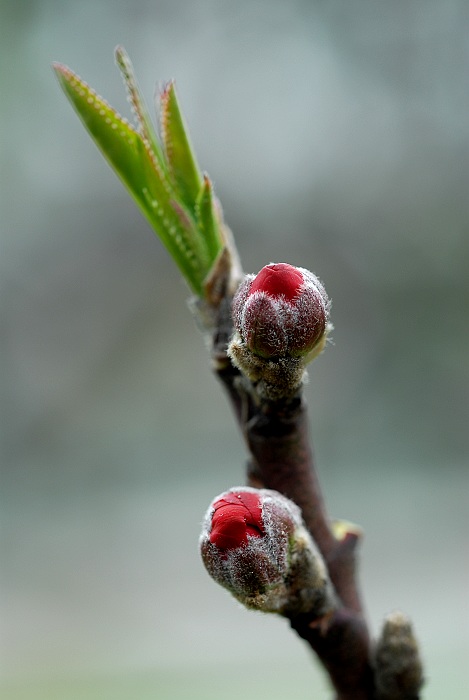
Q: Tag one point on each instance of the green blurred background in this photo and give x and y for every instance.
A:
(336, 134)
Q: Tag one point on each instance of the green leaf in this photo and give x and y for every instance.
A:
(117, 139)
(165, 182)
(173, 223)
(179, 154)
(141, 171)
(139, 108)
(208, 218)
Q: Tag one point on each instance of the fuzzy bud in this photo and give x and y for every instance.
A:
(398, 668)
(281, 320)
(281, 311)
(254, 544)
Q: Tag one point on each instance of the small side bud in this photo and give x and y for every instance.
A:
(347, 534)
(254, 544)
(281, 320)
(398, 668)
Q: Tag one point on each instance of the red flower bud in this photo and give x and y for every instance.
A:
(282, 311)
(236, 515)
(254, 544)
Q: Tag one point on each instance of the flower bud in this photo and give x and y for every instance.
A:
(281, 320)
(254, 544)
(284, 310)
(398, 668)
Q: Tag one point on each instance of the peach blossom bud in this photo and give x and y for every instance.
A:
(281, 311)
(254, 544)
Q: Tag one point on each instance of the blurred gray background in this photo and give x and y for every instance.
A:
(336, 135)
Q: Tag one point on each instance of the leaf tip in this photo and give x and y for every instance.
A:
(66, 77)
(121, 56)
(164, 90)
(61, 70)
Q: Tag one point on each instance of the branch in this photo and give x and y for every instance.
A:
(277, 437)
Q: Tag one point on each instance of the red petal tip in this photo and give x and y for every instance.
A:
(278, 279)
(236, 515)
